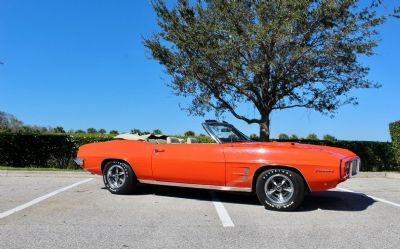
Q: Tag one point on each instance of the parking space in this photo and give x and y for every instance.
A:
(386, 188)
(88, 216)
(16, 190)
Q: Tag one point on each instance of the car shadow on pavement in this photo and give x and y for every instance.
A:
(335, 201)
(195, 194)
(326, 200)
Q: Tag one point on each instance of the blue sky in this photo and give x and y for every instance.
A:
(81, 64)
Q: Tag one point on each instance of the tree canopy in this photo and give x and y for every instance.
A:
(272, 54)
(328, 137)
(283, 136)
(190, 133)
(9, 122)
(312, 136)
(157, 132)
(114, 132)
(91, 131)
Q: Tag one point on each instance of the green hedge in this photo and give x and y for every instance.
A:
(395, 134)
(49, 150)
(42, 150)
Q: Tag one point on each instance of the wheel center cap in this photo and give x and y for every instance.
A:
(278, 188)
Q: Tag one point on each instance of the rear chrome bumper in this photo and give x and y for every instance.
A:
(79, 161)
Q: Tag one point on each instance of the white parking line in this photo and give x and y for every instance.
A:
(42, 198)
(370, 196)
(222, 213)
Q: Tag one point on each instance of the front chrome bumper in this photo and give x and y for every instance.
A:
(354, 167)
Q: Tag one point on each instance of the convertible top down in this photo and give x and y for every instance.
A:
(280, 173)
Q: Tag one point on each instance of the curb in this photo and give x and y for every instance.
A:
(393, 175)
(378, 175)
(23, 173)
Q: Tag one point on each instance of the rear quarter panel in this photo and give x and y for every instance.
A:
(136, 153)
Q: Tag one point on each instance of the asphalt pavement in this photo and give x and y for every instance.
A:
(74, 210)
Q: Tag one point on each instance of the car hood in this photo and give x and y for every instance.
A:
(333, 151)
(337, 152)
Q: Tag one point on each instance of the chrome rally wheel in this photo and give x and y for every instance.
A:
(280, 189)
(119, 177)
(116, 176)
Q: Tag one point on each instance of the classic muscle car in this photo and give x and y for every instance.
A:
(280, 173)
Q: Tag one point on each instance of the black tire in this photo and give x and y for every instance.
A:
(126, 181)
(273, 189)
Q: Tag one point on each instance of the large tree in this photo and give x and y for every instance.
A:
(274, 54)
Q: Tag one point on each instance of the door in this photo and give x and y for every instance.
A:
(189, 163)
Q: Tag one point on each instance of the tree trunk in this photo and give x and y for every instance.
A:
(264, 128)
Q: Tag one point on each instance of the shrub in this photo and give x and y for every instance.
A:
(136, 131)
(190, 134)
(113, 132)
(312, 136)
(59, 129)
(91, 131)
(42, 150)
(328, 137)
(157, 132)
(395, 134)
(283, 136)
(201, 139)
(204, 139)
(254, 137)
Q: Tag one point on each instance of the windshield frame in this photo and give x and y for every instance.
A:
(243, 138)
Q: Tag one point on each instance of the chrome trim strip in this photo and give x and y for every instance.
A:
(201, 186)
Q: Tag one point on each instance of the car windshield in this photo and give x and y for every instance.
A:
(225, 133)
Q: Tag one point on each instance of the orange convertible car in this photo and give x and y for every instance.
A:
(279, 173)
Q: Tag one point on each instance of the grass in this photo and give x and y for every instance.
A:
(37, 169)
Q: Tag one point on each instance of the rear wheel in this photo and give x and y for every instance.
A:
(119, 178)
(280, 189)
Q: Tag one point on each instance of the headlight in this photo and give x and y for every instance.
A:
(351, 168)
(355, 167)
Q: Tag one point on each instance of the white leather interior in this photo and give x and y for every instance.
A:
(191, 140)
(173, 140)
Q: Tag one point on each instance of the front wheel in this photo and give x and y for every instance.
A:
(119, 178)
(280, 189)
